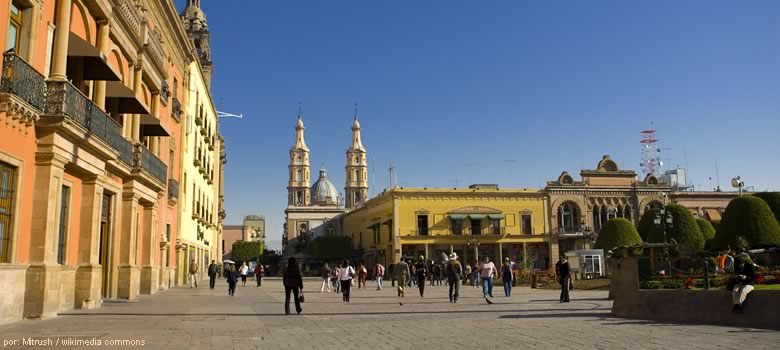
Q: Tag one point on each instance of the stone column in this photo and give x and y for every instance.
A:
(42, 286)
(89, 276)
(128, 284)
(104, 27)
(136, 125)
(500, 254)
(427, 256)
(149, 270)
(59, 56)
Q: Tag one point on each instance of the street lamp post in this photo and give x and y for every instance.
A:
(665, 218)
(475, 243)
(738, 183)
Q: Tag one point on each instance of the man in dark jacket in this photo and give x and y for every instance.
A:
(293, 282)
(454, 271)
(212, 273)
(421, 270)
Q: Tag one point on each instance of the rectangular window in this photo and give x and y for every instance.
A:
(526, 224)
(457, 226)
(14, 35)
(422, 225)
(62, 240)
(476, 227)
(7, 191)
(495, 226)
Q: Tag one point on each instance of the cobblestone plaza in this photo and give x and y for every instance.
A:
(185, 318)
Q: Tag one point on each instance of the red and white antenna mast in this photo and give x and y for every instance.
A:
(651, 163)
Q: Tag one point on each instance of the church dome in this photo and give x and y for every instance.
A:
(323, 192)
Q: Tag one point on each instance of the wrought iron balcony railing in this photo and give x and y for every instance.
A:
(175, 108)
(62, 98)
(148, 162)
(198, 119)
(124, 147)
(21, 79)
(173, 190)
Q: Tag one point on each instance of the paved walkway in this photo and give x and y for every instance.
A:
(185, 318)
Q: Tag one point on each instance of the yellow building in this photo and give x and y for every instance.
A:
(479, 221)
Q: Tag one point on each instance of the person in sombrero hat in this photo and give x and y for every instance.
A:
(454, 272)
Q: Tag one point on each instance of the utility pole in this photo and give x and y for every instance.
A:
(509, 162)
(456, 181)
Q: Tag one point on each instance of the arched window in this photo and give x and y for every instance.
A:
(596, 219)
(568, 216)
(357, 175)
(298, 176)
(627, 212)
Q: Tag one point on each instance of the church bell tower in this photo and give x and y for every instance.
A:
(194, 20)
(356, 188)
(298, 190)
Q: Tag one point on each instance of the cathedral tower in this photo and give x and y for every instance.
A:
(356, 188)
(198, 31)
(298, 191)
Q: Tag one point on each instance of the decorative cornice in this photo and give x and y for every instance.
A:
(18, 114)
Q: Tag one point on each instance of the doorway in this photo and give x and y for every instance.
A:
(104, 247)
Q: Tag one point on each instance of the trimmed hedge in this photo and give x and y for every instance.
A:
(617, 232)
(646, 223)
(748, 218)
(706, 228)
(331, 247)
(244, 251)
(684, 230)
(773, 200)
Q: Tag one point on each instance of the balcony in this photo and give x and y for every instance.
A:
(203, 131)
(569, 230)
(154, 47)
(173, 191)
(421, 231)
(198, 119)
(63, 99)
(196, 161)
(148, 162)
(176, 109)
(129, 13)
(22, 80)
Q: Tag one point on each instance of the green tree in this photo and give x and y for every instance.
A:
(646, 223)
(750, 218)
(331, 247)
(715, 224)
(616, 232)
(706, 228)
(683, 229)
(773, 200)
(244, 251)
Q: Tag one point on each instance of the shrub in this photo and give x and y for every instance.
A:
(707, 231)
(244, 251)
(331, 247)
(617, 232)
(684, 230)
(772, 199)
(646, 223)
(751, 218)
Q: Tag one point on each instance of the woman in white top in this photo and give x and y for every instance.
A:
(345, 276)
(243, 271)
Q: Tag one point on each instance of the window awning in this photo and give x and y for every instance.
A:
(457, 216)
(477, 216)
(496, 216)
(151, 126)
(94, 63)
(713, 214)
(122, 99)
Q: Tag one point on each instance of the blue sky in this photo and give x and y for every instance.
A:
(552, 85)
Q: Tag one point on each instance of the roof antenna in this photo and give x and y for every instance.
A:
(300, 109)
(355, 110)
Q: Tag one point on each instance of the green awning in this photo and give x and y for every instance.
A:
(496, 216)
(457, 216)
(477, 216)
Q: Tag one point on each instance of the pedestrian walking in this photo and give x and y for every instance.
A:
(475, 277)
(212, 274)
(379, 275)
(507, 277)
(454, 272)
(244, 271)
(345, 276)
(564, 277)
(231, 275)
(293, 283)
(401, 274)
(486, 272)
(325, 274)
(422, 273)
(362, 274)
(412, 271)
(432, 270)
(334, 277)
(469, 277)
(259, 273)
(391, 270)
(193, 274)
